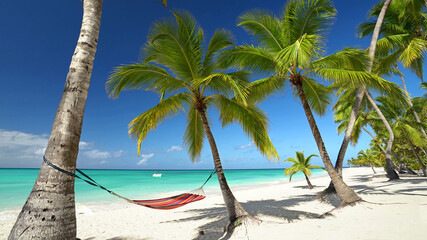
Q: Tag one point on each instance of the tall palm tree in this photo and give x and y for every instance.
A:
(177, 66)
(404, 39)
(49, 211)
(301, 164)
(291, 48)
(50, 208)
(361, 92)
(398, 113)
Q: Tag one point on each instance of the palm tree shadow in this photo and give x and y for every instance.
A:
(271, 208)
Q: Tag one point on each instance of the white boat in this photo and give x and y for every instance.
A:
(156, 174)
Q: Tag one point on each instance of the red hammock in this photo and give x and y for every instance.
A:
(170, 202)
(161, 203)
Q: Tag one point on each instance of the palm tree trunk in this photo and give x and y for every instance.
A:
(49, 211)
(345, 193)
(423, 167)
(347, 136)
(372, 166)
(308, 182)
(234, 208)
(391, 174)
(360, 94)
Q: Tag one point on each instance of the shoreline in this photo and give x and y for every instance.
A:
(285, 208)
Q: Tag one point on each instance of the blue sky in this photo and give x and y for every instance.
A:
(38, 40)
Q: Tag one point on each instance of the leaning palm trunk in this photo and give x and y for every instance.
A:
(346, 194)
(310, 186)
(234, 208)
(391, 174)
(49, 211)
(360, 94)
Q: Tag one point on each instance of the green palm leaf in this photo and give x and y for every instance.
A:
(253, 58)
(253, 121)
(194, 134)
(136, 76)
(150, 119)
(265, 27)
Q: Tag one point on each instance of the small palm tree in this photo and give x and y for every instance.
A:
(301, 164)
(185, 73)
(370, 157)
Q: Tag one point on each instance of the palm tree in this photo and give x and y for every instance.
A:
(301, 164)
(177, 66)
(361, 92)
(404, 39)
(290, 48)
(50, 209)
(366, 117)
(399, 114)
(369, 157)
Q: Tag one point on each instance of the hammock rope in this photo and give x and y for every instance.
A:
(161, 203)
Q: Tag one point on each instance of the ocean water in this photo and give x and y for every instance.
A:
(16, 184)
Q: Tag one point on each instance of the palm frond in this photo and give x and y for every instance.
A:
(220, 40)
(311, 17)
(137, 76)
(263, 88)
(177, 44)
(348, 58)
(317, 95)
(194, 134)
(231, 84)
(301, 52)
(253, 121)
(414, 50)
(150, 119)
(264, 27)
(252, 58)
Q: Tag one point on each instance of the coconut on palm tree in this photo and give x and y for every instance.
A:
(177, 65)
(301, 164)
(290, 49)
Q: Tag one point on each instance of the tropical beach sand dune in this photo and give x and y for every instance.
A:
(394, 210)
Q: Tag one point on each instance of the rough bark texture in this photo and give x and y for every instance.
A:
(345, 193)
(49, 212)
(234, 208)
(391, 174)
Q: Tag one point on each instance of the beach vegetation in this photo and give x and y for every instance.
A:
(49, 211)
(301, 164)
(371, 157)
(290, 49)
(179, 65)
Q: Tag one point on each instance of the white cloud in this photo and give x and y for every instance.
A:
(174, 148)
(145, 158)
(118, 154)
(85, 145)
(249, 145)
(103, 162)
(96, 154)
(20, 145)
(20, 149)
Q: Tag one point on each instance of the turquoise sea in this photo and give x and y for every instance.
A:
(16, 184)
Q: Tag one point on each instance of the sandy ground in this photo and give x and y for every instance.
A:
(393, 210)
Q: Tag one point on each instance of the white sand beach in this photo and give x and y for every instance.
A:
(393, 210)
